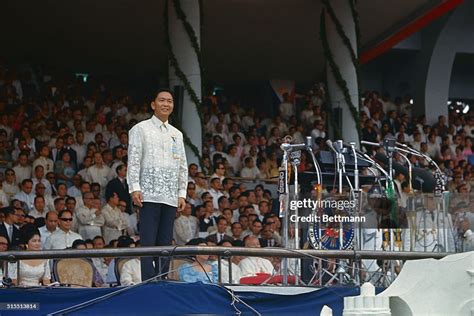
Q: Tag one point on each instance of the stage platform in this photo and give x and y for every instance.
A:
(174, 298)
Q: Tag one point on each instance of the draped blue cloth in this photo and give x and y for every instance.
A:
(174, 298)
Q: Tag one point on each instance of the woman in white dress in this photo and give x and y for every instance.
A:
(35, 272)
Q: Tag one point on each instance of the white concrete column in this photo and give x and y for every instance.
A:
(188, 62)
(342, 58)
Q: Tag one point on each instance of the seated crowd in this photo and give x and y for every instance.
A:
(63, 165)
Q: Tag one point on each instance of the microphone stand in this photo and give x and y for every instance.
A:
(283, 189)
(440, 192)
(284, 200)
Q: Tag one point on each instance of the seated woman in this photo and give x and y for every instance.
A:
(33, 272)
(201, 270)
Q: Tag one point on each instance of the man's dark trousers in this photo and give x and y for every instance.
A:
(156, 229)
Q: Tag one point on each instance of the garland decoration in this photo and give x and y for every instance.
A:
(334, 67)
(355, 16)
(340, 31)
(179, 72)
(192, 35)
(336, 72)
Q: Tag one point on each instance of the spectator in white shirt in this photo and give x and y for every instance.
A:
(39, 209)
(215, 191)
(51, 225)
(64, 236)
(23, 168)
(44, 160)
(89, 217)
(26, 195)
(186, 226)
(39, 178)
(252, 265)
(250, 171)
(80, 147)
(98, 172)
(114, 225)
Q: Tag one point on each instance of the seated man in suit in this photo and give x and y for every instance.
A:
(9, 228)
(221, 232)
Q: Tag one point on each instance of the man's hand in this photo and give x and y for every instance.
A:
(137, 198)
(181, 204)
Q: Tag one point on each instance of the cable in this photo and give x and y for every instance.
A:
(235, 298)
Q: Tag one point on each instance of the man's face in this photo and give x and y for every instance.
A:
(65, 222)
(23, 160)
(122, 172)
(114, 200)
(52, 221)
(10, 176)
(237, 229)
(71, 205)
(187, 210)
(39, 172)
(267, 233)
(98, 158)
(85, 187)
(244, 222)
(252, 198)
(220, 170)
(45, 151)
(193, 169)
(98, 243)
(80, 137)
(191, 189)
(216, 184)
(59, 143)
(221, 226)
(27, 187)
(263, 208)
(163, 105)
(20, 217)
(229, 184)
(243, 201)
(256, 228)
(252, 243)
(60, 205)
(39, 204)
(224, 203)
(62, 190)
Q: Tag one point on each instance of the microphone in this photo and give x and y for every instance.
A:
(365, 142)
(428, 184)
(329, 143)
(309, 142)
(338, 145)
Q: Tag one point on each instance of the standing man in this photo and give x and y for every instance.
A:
(157, 175)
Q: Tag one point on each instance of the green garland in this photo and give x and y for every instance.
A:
(340, 31)
(355, 16)
(187, 85)
(192, 36)
(336, 72)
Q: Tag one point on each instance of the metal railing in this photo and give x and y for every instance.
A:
(165, 251)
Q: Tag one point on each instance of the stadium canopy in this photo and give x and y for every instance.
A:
(241, 39)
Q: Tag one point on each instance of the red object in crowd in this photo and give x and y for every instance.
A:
(267, 279)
